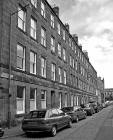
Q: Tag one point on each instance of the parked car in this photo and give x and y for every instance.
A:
(49, 120)
(95, 105)
(1, 130)
(89, 109)
(75, 112)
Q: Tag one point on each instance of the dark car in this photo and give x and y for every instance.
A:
(75, 112)
(89, 109)
(49, 120)
(96, 106)
(1, 130)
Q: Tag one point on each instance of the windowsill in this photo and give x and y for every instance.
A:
(20, 70)
(44, 18)
(53, 52)
(43, 77)
(34, 39)
(20, 115)
(33, 74)
(43, 46)
(60, 57)
(22, 30)
(53, 28)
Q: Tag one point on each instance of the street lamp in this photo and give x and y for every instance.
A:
(9, 78)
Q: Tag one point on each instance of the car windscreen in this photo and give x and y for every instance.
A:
(67, 109)
(37, 114)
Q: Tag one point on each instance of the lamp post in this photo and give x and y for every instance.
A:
(9, 78)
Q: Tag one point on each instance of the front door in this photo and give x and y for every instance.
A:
(52, 99)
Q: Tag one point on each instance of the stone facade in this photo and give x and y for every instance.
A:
(81, 77)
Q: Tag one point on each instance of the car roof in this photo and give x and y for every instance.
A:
(76, 107)
(68, 107)
(43, 109)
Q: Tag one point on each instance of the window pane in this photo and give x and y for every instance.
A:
(19, 63)
(20, 99)
(32, 99)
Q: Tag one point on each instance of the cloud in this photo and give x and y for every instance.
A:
(92, 20)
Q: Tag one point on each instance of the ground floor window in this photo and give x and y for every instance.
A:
(60, 100)
(20, 100)
(66, 100)
(32, 99)
(71, 100)
(43, 99)
(76, 102)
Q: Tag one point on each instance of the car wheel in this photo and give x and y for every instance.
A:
(70, 123)
(28, 134)
(77, 119)
(53, 131)
(1, 134)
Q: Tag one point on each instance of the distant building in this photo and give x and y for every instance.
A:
(100, 90)
(108, 93)
(41, 63)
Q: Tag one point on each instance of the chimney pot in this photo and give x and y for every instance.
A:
(56, 10)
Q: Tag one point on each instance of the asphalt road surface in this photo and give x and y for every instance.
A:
(97, 127)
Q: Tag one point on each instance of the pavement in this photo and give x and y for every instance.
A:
(12, 132)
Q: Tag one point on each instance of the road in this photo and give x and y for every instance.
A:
(97, 127)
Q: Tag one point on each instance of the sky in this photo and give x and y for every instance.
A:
(92, 21)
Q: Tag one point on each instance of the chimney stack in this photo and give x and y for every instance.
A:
(86, 53)
(56, 10)
(75, 37)
(67, 26)
(80, 46)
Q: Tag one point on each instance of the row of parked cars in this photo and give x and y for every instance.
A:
(51, 120)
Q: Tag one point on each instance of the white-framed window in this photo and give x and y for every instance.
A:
(72, 45)
(20, 57)
(66, 100)
(52, 44)
(52, 21)
(75, 49)
(72, 100)
(76, 65)
(73, 63)
(43, 37)
(34, 3)
(32, 62)
(20, 100)
(33, 92)
(43, 13)
(33, 28)
(71, 79)
(64, 54)
(53, 72)
(64, 77)
(64, 35)
(43, 67)
(58, 28)
(21, 18)
(70, 60)
(70, 42)
(60, 100)
(60, 74)
(43, 99)
(59, 50)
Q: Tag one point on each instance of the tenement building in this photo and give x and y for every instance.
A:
(41, 64)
